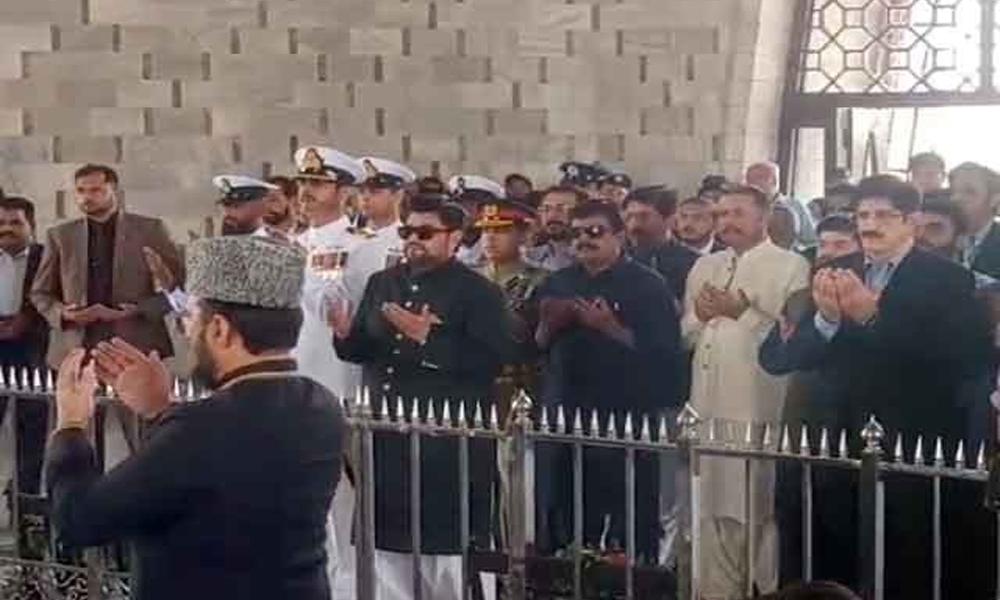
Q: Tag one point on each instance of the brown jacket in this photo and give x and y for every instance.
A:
(62, 280)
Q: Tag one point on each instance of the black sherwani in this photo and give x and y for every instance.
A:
(460, 360)
(228, 498)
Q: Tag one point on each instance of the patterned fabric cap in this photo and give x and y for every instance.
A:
(254, 271)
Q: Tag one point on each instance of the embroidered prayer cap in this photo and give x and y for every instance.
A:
(474, 189)
(237, 189)
(249, 270)
(386, 174)
(320, 163)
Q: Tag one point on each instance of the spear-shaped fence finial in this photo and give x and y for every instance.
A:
(689, 421)
(872, 434)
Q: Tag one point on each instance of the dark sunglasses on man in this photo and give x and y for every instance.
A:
(423, 232)
(593, 232)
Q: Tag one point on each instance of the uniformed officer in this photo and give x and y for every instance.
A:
(327, 180)
(377, 247)
(469, 191)
(553, 249)
(428, 329)
(585, 177)
(615, 187)
(504, 225)
(243, 203)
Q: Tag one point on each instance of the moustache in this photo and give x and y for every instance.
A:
(731, 230)
(586, 246)
(872, 235)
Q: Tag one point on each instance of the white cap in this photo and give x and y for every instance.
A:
(326, 164)
(240, 188)
(461, 184)
(380, 172)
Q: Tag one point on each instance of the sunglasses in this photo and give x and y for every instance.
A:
(423, 232)
(593, 232)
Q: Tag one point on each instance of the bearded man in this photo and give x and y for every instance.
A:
(229, 495)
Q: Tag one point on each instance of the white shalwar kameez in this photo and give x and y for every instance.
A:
(729, 386)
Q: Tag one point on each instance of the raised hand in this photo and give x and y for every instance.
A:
(164, 279)
(338, 317)
(857, 302)
(141, 381)
(824, 292)
(415, 326)
(75, 391)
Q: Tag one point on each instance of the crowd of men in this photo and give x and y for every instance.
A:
(593, 293)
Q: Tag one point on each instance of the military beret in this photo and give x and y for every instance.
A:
(250, 270)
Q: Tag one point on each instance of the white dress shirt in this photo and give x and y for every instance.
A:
(12, 269)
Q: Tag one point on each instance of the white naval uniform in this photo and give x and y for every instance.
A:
(318, 360)
(368, 256)
(729, 385)
(314, 351)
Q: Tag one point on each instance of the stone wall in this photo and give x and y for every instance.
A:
(173, 91)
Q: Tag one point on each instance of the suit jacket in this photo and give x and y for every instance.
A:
(930, 336)
(987, 259)
(212, 515)
(28, 349)
(62, 280)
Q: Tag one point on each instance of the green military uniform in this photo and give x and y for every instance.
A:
(518, 280)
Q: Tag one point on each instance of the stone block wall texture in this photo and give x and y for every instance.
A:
(171, 92)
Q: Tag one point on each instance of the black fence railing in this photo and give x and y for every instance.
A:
(33, 566)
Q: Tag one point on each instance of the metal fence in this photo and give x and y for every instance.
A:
(687, 440)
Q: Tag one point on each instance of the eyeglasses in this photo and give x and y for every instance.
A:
(879, 216)
(423, 232)
(592, 231)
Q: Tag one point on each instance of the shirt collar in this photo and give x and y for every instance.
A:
(342, 223)
(980, 235)
(707, 248)
(891, 261)
(763, 247)
(391, 230)
(21, 254)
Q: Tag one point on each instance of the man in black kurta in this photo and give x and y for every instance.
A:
(428, 329)
(610, 330)
(228, 496)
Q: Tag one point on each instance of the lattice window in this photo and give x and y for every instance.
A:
(893, 46)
